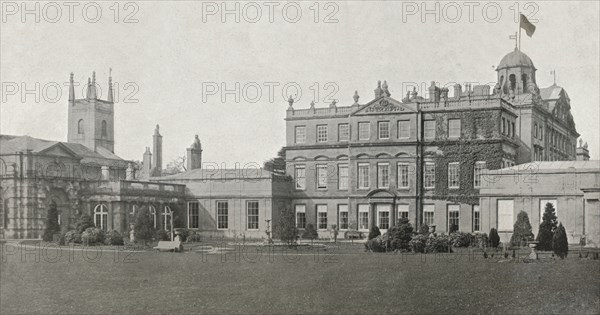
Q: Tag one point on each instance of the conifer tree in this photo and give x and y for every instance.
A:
(559, 242)
(521, 230)
(494, 238)
(144, 226)
(547, 228)
(52, 226)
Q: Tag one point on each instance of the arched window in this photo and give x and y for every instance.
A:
(101, 216)
(167, 217)
(524, 80)
(153, 215)
(132, 213)
(104, 132)
(80, 127)
(513, 81)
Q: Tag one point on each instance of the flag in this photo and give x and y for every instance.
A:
(527, 26)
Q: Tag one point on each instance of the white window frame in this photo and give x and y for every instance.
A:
(364, 130)
(360, 175)
(402, 208)
(152, 211)
(363, 209)
(248, 215)
(300, 176)
(191, 215)
(454, 175)
(322, 133)
(429, 176)
(478, 172)
(219, 216)
(452, 130)
(101, 210)
(403, 170)
(383, 133)
(321, 176)
(453, 209)
(383, 180)
(167, 217)
(343, 179)
(403, 127)
(429, 219)
(344, 135)
(321, 209)
(300, 137)
(476, 219)
(380, 210)
(343, 208)
(300, 209)
(429, 129)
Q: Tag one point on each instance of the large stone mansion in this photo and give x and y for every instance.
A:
(354, 166)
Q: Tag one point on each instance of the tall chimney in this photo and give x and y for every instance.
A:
(157, 148)
(194, 155)
(147, 162)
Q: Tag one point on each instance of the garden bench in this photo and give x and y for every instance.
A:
(169, 246)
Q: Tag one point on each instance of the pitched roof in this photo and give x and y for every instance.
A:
(13, 144)
(552, 92)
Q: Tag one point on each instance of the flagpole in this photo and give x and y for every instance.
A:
(519, 32)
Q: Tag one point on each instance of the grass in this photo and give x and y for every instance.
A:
(336, 280)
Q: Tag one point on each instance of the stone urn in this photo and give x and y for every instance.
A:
(533, 255)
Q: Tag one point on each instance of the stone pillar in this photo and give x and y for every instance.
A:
(105, 173)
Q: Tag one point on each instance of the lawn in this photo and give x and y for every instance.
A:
(338, 280)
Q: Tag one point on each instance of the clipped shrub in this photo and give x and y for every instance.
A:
(376, 244)
(310, 233)
(52, 227)
(424, 229)
(547, 228)
(462, 239)
(92, 236)
(285, 229)
(494, 238)
(72, 237)
(162, 235)
(418, 243)
(560, 245)
(113, 238)
(184, 233)
(83, 222)
(438, 244)
(481, 240)
(144, 226)
(521, 230)
(192, 238)
(373, 233)
(400, 235)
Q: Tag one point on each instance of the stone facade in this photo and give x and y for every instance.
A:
(364, 165)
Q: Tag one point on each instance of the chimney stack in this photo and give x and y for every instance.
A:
(157, 158)
(194, 155)
(147, 162)
(583, 154)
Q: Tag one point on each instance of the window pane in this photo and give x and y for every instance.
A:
(322, 133)
(343, 217)
(383, 175)
(343, 177)
(363, 217)
(322, 217)
(222, 215)
(429, 175)
(453, 218)
(404, 129)
(193, 219)
(252, 215)
(343, 132)
(384, 129)
(429, 131)
(478, 172)
(301, 216)
(300, 177)
(453, 175)
(321, 176)
(454, 128)
(476, 218)
(402, 175)
(428, 211)
(363, 175)
(364, 132)
(402, 211)
(300, 134)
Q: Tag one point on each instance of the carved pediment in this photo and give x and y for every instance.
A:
(384, 105)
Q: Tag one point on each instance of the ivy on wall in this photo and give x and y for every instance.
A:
(479, 141)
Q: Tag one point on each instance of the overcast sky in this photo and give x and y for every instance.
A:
(176, 50)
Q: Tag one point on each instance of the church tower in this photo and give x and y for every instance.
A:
(516, 73)
(91, 120)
